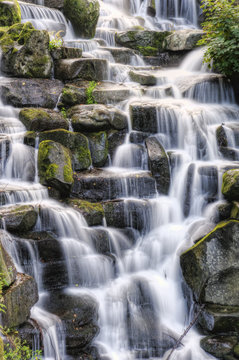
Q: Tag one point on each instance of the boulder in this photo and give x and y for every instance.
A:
(30, 92)
(98, 185)
(158, 164)
(147, 42)
(54, 164)
(92, 118)
(84, 69)
(83, 15)
(181, 40)
(10, 12)
(19, 218)
(7, 266)
(26, 52)
(144, 117)
(230, 185)
(76, 142)
(99, 148)
(219, 346)
(92, 212)
(65, 52)
(143, 77)
(36, 119)
(121, 55)
(18, 299)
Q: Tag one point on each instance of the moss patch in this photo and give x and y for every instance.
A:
(10, 12)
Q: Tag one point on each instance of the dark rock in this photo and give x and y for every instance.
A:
(219, 346)
(19, 218)
(10, 12)
(138, 137)
(115, 139)
(230, 185)
(144, 117)
(66, 52)
(99, 148)
(158, 164)
(92, 212)
(36, 119)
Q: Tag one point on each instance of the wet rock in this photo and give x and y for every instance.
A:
(7, 266)
(18, 299)
(84, 69)
(219, 346)
(143, 77)
(25, 52)
(79, 314)
(54, 164)
(99, 148)
(98, 185)
(5, 145)
(36, 119)
(66, 52)
(101, 241)
(30, 138)
(144, 117)
(54, 275)
(182, 40)
(10, 12)
(83, 15)
(30, 92)
(147, 42)
(115, 139)
(209, 182)
(230, 185)
(121, 55)
(19, 218)
(221, 137)
(229, 153)
(151, 9)
(92, 118)
(28, 332)
(92, 212)
(76, 142)
(158, 164)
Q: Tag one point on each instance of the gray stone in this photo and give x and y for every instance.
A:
(99, 148)
(19, 218)
(182, 40)
(42, 119)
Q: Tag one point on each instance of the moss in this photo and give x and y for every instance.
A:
(10, 12)
(68, 173)
(148, 50)
(86, 206)
(235, 211)
(51, 171)
(43, 162)
(236, 350)
(84, 156)
(3, 30)
(230, 184)
(15, 35)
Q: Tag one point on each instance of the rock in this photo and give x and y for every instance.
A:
(99, 148)
(19, 218)
(36, 119)
(92, 212)
(99, 185)
(138, 137)
(66, 52)
(181, 40)
(54, 164)
(7, 266)
(92, 118)
(76, 142)
(30, 92)
(143, 77)
(79, 314)
(147, 42)
(221, 137)
(84, 69)
(210, 267)
(158, 164)
(121, 55)
(18, 299)
(219, 346)
(115, 139)
(30, 138)
(83, 15)
(26, 52)
(5, 145)
(144, 117)
(10, 12)
(230, 185)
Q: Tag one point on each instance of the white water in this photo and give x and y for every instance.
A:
(141, 304)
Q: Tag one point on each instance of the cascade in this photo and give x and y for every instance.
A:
(136, 282)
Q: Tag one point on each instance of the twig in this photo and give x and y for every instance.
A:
(186, 331)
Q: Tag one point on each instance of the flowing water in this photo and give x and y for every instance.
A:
(142, 308)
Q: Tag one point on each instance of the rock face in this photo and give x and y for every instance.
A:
(83, 15)
(18, 299)
(230, 185)
(25, 52)
(92, 212)
(10, 12)
(182, 40)
(99, 148)
(211, 270)
(42, 119)
(96, 117)
(19, 218)
(54, 164)
(30, 92)
(147, 42)
(76, 142)
(6, 265)
(158, 164)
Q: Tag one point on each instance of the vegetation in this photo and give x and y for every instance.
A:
(56, 42)
(89, 93)
(15, 348)
(221, 35)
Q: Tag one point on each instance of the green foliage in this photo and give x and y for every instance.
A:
(15, 349)
(89, 93)
(56, 42)
(63, 112)
(221, 35)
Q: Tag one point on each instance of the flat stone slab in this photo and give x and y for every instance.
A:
(182, 40)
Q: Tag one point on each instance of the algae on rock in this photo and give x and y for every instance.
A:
(10, 12)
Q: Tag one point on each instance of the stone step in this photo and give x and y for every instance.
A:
(120, 54)
(98, 185)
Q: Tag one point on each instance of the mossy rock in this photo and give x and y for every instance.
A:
(30, 138)
(10, 12)
(219, 346)
(54, 164)
(26, 52)
(92, 212)
(76, 142)
(7, 266)
(99, 148)
(36, 119)
(230, 185)
(19, 218)
(83, 15)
